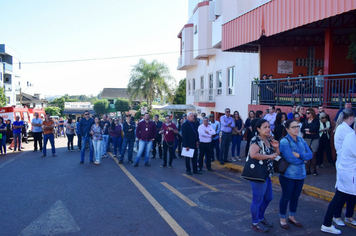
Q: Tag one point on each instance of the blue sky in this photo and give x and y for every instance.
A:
(80, 29)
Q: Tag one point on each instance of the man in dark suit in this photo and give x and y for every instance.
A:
(191, 141)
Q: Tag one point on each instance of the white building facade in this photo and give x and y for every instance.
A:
(10, 73)
(216, 80)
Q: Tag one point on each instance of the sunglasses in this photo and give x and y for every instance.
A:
(323, 117)
(308, 113)
(86, 114)
(296, 116)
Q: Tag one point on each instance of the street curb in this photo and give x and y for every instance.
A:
(307, 189)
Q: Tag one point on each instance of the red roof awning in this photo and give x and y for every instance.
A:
(278, 16)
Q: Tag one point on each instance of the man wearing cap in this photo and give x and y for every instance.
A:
(227, 123)
(185, 118)
(216, 138)
(129, 127)
(206, 133)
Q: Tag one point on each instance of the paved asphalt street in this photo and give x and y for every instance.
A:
(57, 196)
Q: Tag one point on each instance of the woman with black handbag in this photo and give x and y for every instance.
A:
(259, 170)
(295, 151)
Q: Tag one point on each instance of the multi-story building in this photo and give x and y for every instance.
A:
(215, 79)
(10, 73)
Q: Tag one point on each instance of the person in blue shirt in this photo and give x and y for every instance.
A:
(85, 127)
(17, 130)
(290, 115)
(3, 136)
(295, 151)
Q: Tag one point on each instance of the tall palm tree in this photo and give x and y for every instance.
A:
(149, 80)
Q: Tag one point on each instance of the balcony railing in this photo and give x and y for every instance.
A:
(7, 66)
(328, 90)
(204, 95)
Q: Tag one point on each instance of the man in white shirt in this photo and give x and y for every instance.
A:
(205, 131)
(271, 117)
(37, 132)
(216, 138)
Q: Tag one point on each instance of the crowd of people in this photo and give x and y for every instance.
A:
(299, 138)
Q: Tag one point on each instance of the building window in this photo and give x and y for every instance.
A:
(211, 87)
(34, 105)
(189, 87)
(19, 65)
(219, 82)
(230, 80)
(196, 29)
(201, 82)
(8, 100)
(193, 85)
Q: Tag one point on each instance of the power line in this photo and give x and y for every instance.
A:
(110, 58)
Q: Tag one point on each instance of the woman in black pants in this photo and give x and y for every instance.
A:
(310, 129)
(251, 117)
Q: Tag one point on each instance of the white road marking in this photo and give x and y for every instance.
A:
(57, 220)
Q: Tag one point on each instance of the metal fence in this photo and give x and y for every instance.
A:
(329, 90)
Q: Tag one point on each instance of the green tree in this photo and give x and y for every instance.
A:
(122, 105)
(101, 106)
(179, 94)
(54, 111)
(59, 102)
(3, 99)
(149, 80)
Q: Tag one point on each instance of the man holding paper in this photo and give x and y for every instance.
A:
(190, 143)
(206, 131)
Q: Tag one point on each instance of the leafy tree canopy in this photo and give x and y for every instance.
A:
(180, 93)
(3, 99)
(101, 106)
(54, 111)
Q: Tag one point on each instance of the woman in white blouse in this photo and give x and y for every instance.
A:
(344, 140)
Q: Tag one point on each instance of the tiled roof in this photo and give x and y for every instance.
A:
(113, 93)
(28, 98)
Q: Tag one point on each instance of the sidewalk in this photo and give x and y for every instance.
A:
(321, 186)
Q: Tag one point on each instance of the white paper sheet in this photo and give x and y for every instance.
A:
(189, 153)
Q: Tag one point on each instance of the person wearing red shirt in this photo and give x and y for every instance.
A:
(145, 133)
(169, 130)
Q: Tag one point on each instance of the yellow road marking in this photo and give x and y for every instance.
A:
(226, 177)
(202, 183)
(180, 195)
(165, 215)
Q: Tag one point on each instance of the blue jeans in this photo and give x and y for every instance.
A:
(86, 140)
(117, 141)
(291, 189)
(236, 143)
(130, 143)
(17, 141)
(225, 144)
(144, 145)
(49, 137)
(97, 144)
(261, 196)
(104, 144)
